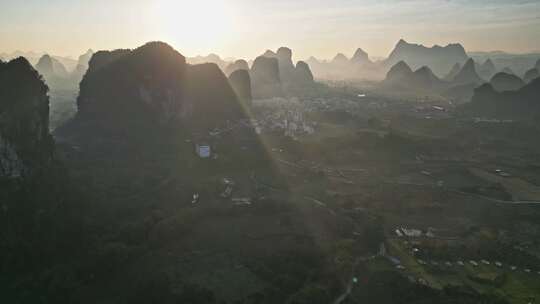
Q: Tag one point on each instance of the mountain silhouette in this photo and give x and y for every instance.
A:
(425, 78)
(265, 77)
(153, 86)
(82, 65)
(439, 59)
(241, 83)
(402, 78)
(467, 75)
(237, 65)
(531, 74)
(398, 72)
(210, 58)
(292, 79)
(453, 72)
(506, 82)
(50, 67)
(302, 73)
(25, 143)
(487, 69)
(508, 70)
(340, 59)
(286, 66)
(360, 57)
(521, 104)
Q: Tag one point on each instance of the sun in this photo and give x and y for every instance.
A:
(196, 24)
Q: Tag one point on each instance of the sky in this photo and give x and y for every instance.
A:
(246, 28)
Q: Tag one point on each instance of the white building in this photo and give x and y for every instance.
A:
(203, 150)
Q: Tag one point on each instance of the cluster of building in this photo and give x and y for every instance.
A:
(283, 115)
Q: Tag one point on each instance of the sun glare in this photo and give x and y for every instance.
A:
(196, 24)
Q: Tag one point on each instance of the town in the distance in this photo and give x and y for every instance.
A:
(143, 176)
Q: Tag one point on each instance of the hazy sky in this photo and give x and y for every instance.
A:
(245, 28)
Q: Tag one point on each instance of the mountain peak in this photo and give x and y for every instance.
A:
(469, 65)
(269, 53)
(25, 142)
(487, 69)
(506, 82)
(155, 48)
(360, 56)
(439, 59)
(45, 59)
(531, 74)
(398, 71)
(402, 65)
(402, 42)
(285, 52)
(508, 70)
(468, 74)
(489, 63)
(340, 57)
(453, 72)
(424, 70)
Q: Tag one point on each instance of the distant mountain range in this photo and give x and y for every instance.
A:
(458, 84)
(211, 58)
(33, 57)
(521, 104)
(518, 63)
(439, 59)
(401, 77)
(358, 67)
(57, 76)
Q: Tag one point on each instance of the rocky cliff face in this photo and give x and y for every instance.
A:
(153, 87)
(25, 143)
